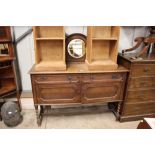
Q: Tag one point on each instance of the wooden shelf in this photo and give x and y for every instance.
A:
(48, 65)
(5, 41)
(49, 31)
(6, 77)
(42, 39)
(2, 59)
(105, 39)
(103, 65)
(5, 67)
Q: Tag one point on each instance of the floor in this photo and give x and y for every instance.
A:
(87, 121)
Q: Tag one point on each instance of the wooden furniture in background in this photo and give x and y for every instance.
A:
(102, 43)
(49, 47)
(8, 78)
(139, 100)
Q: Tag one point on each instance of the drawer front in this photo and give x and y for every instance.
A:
(141, 96)
(103, 77)
(139, 109)
(56, 78)
(143, 70)
(57, 93)
(144, 82)
(100, 92)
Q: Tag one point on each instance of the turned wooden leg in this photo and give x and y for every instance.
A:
(119, 107)
(0, 117)
(38, 115)
(118, 110)
(41, 109)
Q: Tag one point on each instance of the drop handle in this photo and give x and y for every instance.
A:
(69, 78)
(146, 69)
(91, 77)
(114, 76)
(43, 78)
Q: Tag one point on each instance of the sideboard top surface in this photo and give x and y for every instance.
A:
(143, 58)
(76, 68)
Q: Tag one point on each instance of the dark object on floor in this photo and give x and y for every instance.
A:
(10, 112)
(143, 125)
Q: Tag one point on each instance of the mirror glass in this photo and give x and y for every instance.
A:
(4, 50)
(76, 48)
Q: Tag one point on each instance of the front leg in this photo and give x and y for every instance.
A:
(38, 115)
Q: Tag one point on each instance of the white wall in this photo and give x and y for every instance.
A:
(25, 52)
(25, 48)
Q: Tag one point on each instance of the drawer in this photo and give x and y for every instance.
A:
(103, 77)
(100, 92)
(144, 82)
(143, 70)
(57, 93)
(141, 96)
(56, 78)
(139, 108)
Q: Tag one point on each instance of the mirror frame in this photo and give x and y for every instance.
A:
(68, 40)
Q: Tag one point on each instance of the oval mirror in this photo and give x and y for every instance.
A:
(76, 46)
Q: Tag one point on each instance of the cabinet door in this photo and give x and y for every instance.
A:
(57, 89)
(102, 90)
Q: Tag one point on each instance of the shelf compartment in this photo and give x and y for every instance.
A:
(102, 43)
(103, 50)
(49, 47)
(105, 32)
(50, 50)
(7, 86)
(100, 50)
(49, 32)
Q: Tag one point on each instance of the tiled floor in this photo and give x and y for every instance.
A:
(88, 121)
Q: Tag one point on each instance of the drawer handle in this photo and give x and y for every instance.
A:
(146, 69)
(91, 77)
(69, 78)
(114, 77)
(43, 78)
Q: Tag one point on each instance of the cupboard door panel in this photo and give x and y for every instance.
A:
(99, 92)
(57, 93)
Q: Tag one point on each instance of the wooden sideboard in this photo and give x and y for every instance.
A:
(76, 85)
(139, 99)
